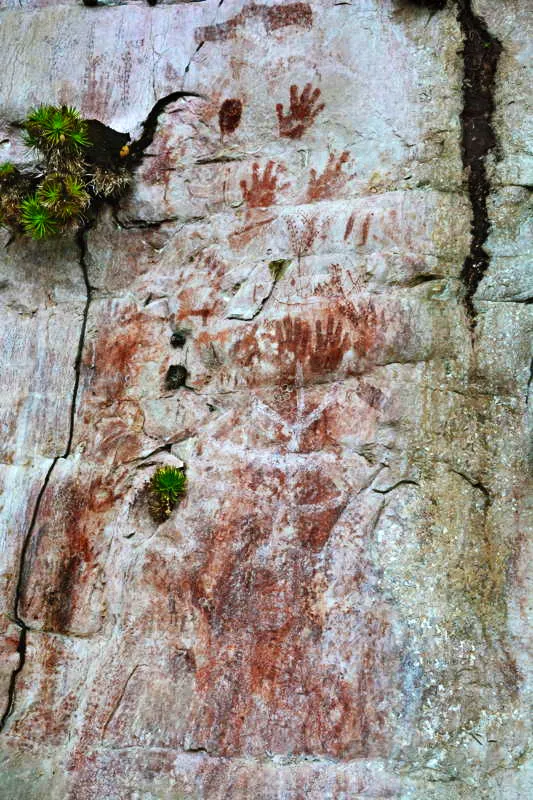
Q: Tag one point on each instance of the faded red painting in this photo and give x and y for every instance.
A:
(260, 191)
(330, 181)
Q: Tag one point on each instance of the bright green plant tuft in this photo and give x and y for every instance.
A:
(64, 195)
(77, 170)
(167, 487)
(51, 127)
(7, 168)
(37, 220)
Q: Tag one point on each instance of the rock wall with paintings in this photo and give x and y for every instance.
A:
(315, 298)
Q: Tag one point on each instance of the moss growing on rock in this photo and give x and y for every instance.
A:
(166, 489)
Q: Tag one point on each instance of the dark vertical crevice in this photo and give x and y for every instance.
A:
(199, 47)
(21, 579)
(481, 53)
(21, 648)
(82, 244)
(149, 127)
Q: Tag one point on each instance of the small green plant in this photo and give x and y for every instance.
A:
(7, 169)
(65, 196)
(36, 219)
(58, 132)
(77, 170)
(167, 487)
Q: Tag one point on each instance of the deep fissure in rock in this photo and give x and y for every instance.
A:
(82, 244)
(21, 648)
(150, 124)
(481, 53)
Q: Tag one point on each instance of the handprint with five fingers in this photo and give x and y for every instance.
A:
(262, 189)
(302, 112)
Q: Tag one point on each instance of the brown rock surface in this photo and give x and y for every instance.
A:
(338, 607)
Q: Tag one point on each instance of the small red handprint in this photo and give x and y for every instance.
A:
(316, 355)
(330, 345)
(262, 190)
(332, 179)
(302, 113)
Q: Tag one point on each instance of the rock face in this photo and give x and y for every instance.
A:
(337, 609)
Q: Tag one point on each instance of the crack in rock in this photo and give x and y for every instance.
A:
(481, 53)
(21, 579)
(21, 647)
(149, 126)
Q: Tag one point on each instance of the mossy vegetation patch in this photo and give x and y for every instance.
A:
(81, 161)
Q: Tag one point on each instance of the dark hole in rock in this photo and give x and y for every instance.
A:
(178, 338)
(481, 53)
(108, 147)
(176, 376)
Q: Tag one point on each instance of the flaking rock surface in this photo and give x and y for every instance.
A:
(338, 607)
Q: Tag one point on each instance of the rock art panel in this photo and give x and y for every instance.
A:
(338, 606)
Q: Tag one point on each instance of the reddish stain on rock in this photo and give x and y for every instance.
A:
(349, 226)
(366, 322)
(289, 14)
(314, 528)
(48, 660)
(244, 236)
(116, 351)
(330, 181)
(229, 115)
(210, 269)
(317, 351)
(161, 163)
(260, 682)
(373, 396)
(364, 230)
(59, 573)
(273, 18)
(303, 232)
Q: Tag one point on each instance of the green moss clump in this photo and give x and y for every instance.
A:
(58, 132)
(7, 169)
(166, 489)
(65, 196)
(36, 219)
(77, 171)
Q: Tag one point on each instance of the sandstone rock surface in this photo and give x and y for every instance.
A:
(338, 608)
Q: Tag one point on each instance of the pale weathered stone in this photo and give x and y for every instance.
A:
(338, 606)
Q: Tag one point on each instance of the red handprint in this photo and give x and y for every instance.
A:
(296, 345)
(331, 179)
(262, 190)
(302, 113)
